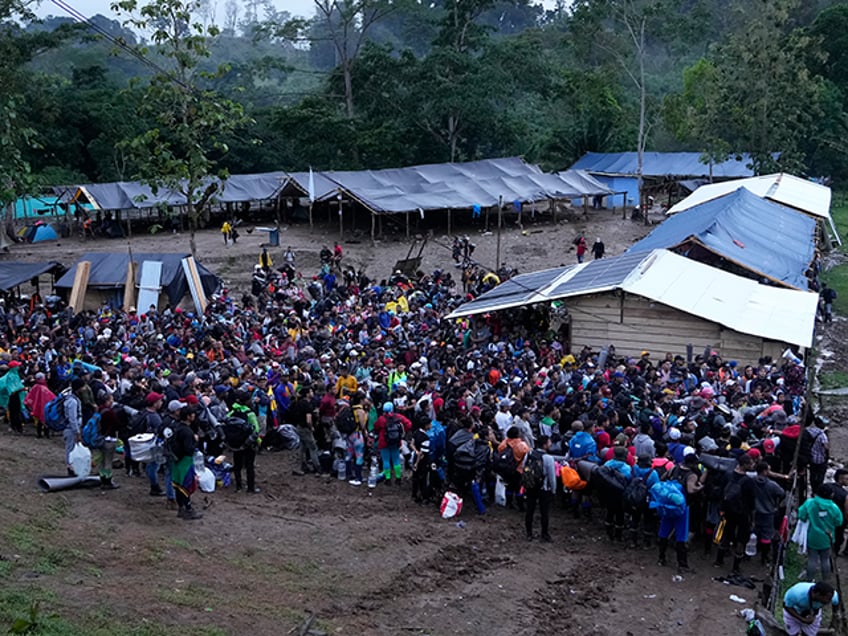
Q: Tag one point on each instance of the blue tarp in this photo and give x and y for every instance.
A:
(662, 164)
(766, 238)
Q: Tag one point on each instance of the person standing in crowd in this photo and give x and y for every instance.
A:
(828, 295)
(302, 416)
(519, 450)
(543, 492)
(737, 507)
(390, 429)
(110, 425)
(36, 399)
(245, 457)
(73, 421)
(183, 444)
(824, 518)
(153, 422)
(837, 492)
(768, 498)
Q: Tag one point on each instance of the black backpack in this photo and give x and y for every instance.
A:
(808, 440)
(505, 464)
(635, 495)
(533, 475)
(464, 457)
(345, 421)
(137, 424)
(394, 430)
(732, 500)
(238, 433)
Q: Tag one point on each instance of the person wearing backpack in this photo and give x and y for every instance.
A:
(73, 421)
(245, 457)
(153, 402)
(102, 455)
(182, 444)
(355, 439)
(640, 515)
(613, 497)
(390, 429)
(510, 471)
(814, 452)
(539, 482)
(737, 508)
(36, 399)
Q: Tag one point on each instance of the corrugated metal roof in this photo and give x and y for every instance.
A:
(739, 303)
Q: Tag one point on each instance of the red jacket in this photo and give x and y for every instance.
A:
(380, 428)
(37, 398)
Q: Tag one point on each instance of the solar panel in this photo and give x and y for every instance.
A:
(606, 272)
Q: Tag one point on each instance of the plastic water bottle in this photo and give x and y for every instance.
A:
(751, 546)
(341, 469)
(373, 474)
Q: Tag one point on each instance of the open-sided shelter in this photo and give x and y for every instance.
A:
(108, 274)
(662, 302)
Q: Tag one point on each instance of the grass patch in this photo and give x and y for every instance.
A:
(190, 595)
(834, 379)
(837, 277)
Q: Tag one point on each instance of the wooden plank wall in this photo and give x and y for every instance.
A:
(598, 320)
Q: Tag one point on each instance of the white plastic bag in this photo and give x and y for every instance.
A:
(800, 536)
(206, 479)
(500, 492)
(451, 505)
(141, 447)
(80, 459)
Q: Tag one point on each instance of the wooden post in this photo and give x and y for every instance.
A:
(585, 208)
(486, 229)
(310, 215)
(380, 226)
(373, 242)
(407, 225)
(449, 221)
(129, 285)
(277, 210)
(77, 297)
(341, 221)
(623, 206)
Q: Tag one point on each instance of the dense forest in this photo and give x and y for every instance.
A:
(187, 87)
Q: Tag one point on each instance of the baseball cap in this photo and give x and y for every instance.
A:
(153, 397)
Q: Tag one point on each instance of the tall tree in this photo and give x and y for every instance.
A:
(181, 152)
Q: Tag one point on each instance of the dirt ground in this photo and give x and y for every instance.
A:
(363, 561)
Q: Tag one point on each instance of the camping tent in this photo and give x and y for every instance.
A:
(37, 233)
(108, 275)
(742, 229)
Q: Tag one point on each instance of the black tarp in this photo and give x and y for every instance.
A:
(109, 271)
(14, 274)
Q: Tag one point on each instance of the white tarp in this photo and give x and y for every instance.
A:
(741, 304)
(801, 194)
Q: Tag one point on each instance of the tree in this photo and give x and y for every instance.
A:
(181, 152)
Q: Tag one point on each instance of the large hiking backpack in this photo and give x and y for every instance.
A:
(805, 452)
(137, 424)
(54, 413)
(394, 430)
(732, 501)
(610, 482)
(533, 475)
(505, 464)
(667, 498)
(238, 433)
(464, 457)
(92, 436)
(635, 495)
(346, 421)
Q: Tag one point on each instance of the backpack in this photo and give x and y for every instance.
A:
(505, 464)
(237, 432)
(635, 495)
(54, 413)
(571, 478)
(137, 424)
(805, 453)
(610, 480)
(534, 471)
(465, 456)
(394, 431)
(732, 500)
(345, 421)
(667, 498)
(92, 436)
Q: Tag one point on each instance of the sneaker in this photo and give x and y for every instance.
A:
(189, 515)
(157, 492)
(298, 473)
(355, 482)
(253, 491)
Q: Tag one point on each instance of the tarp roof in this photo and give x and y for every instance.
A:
(744, 229)
(14, 274)
(801, 194)
(784, 315)
(109, 270)
(127, 195)
(451, 185)
(662, 164)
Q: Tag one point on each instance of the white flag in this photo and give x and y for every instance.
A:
(311, 186)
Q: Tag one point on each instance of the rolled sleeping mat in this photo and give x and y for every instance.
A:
(55, 483)
(585, 469)
(723, 464)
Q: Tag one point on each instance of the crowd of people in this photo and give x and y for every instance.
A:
(379, 386)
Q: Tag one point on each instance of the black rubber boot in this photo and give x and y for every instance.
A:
(662, 544)
(610, 530)
(737, 562)
(682, 558)
(619, 533)
(647, 539)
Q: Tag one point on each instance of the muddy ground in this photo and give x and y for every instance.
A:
(363, 561)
